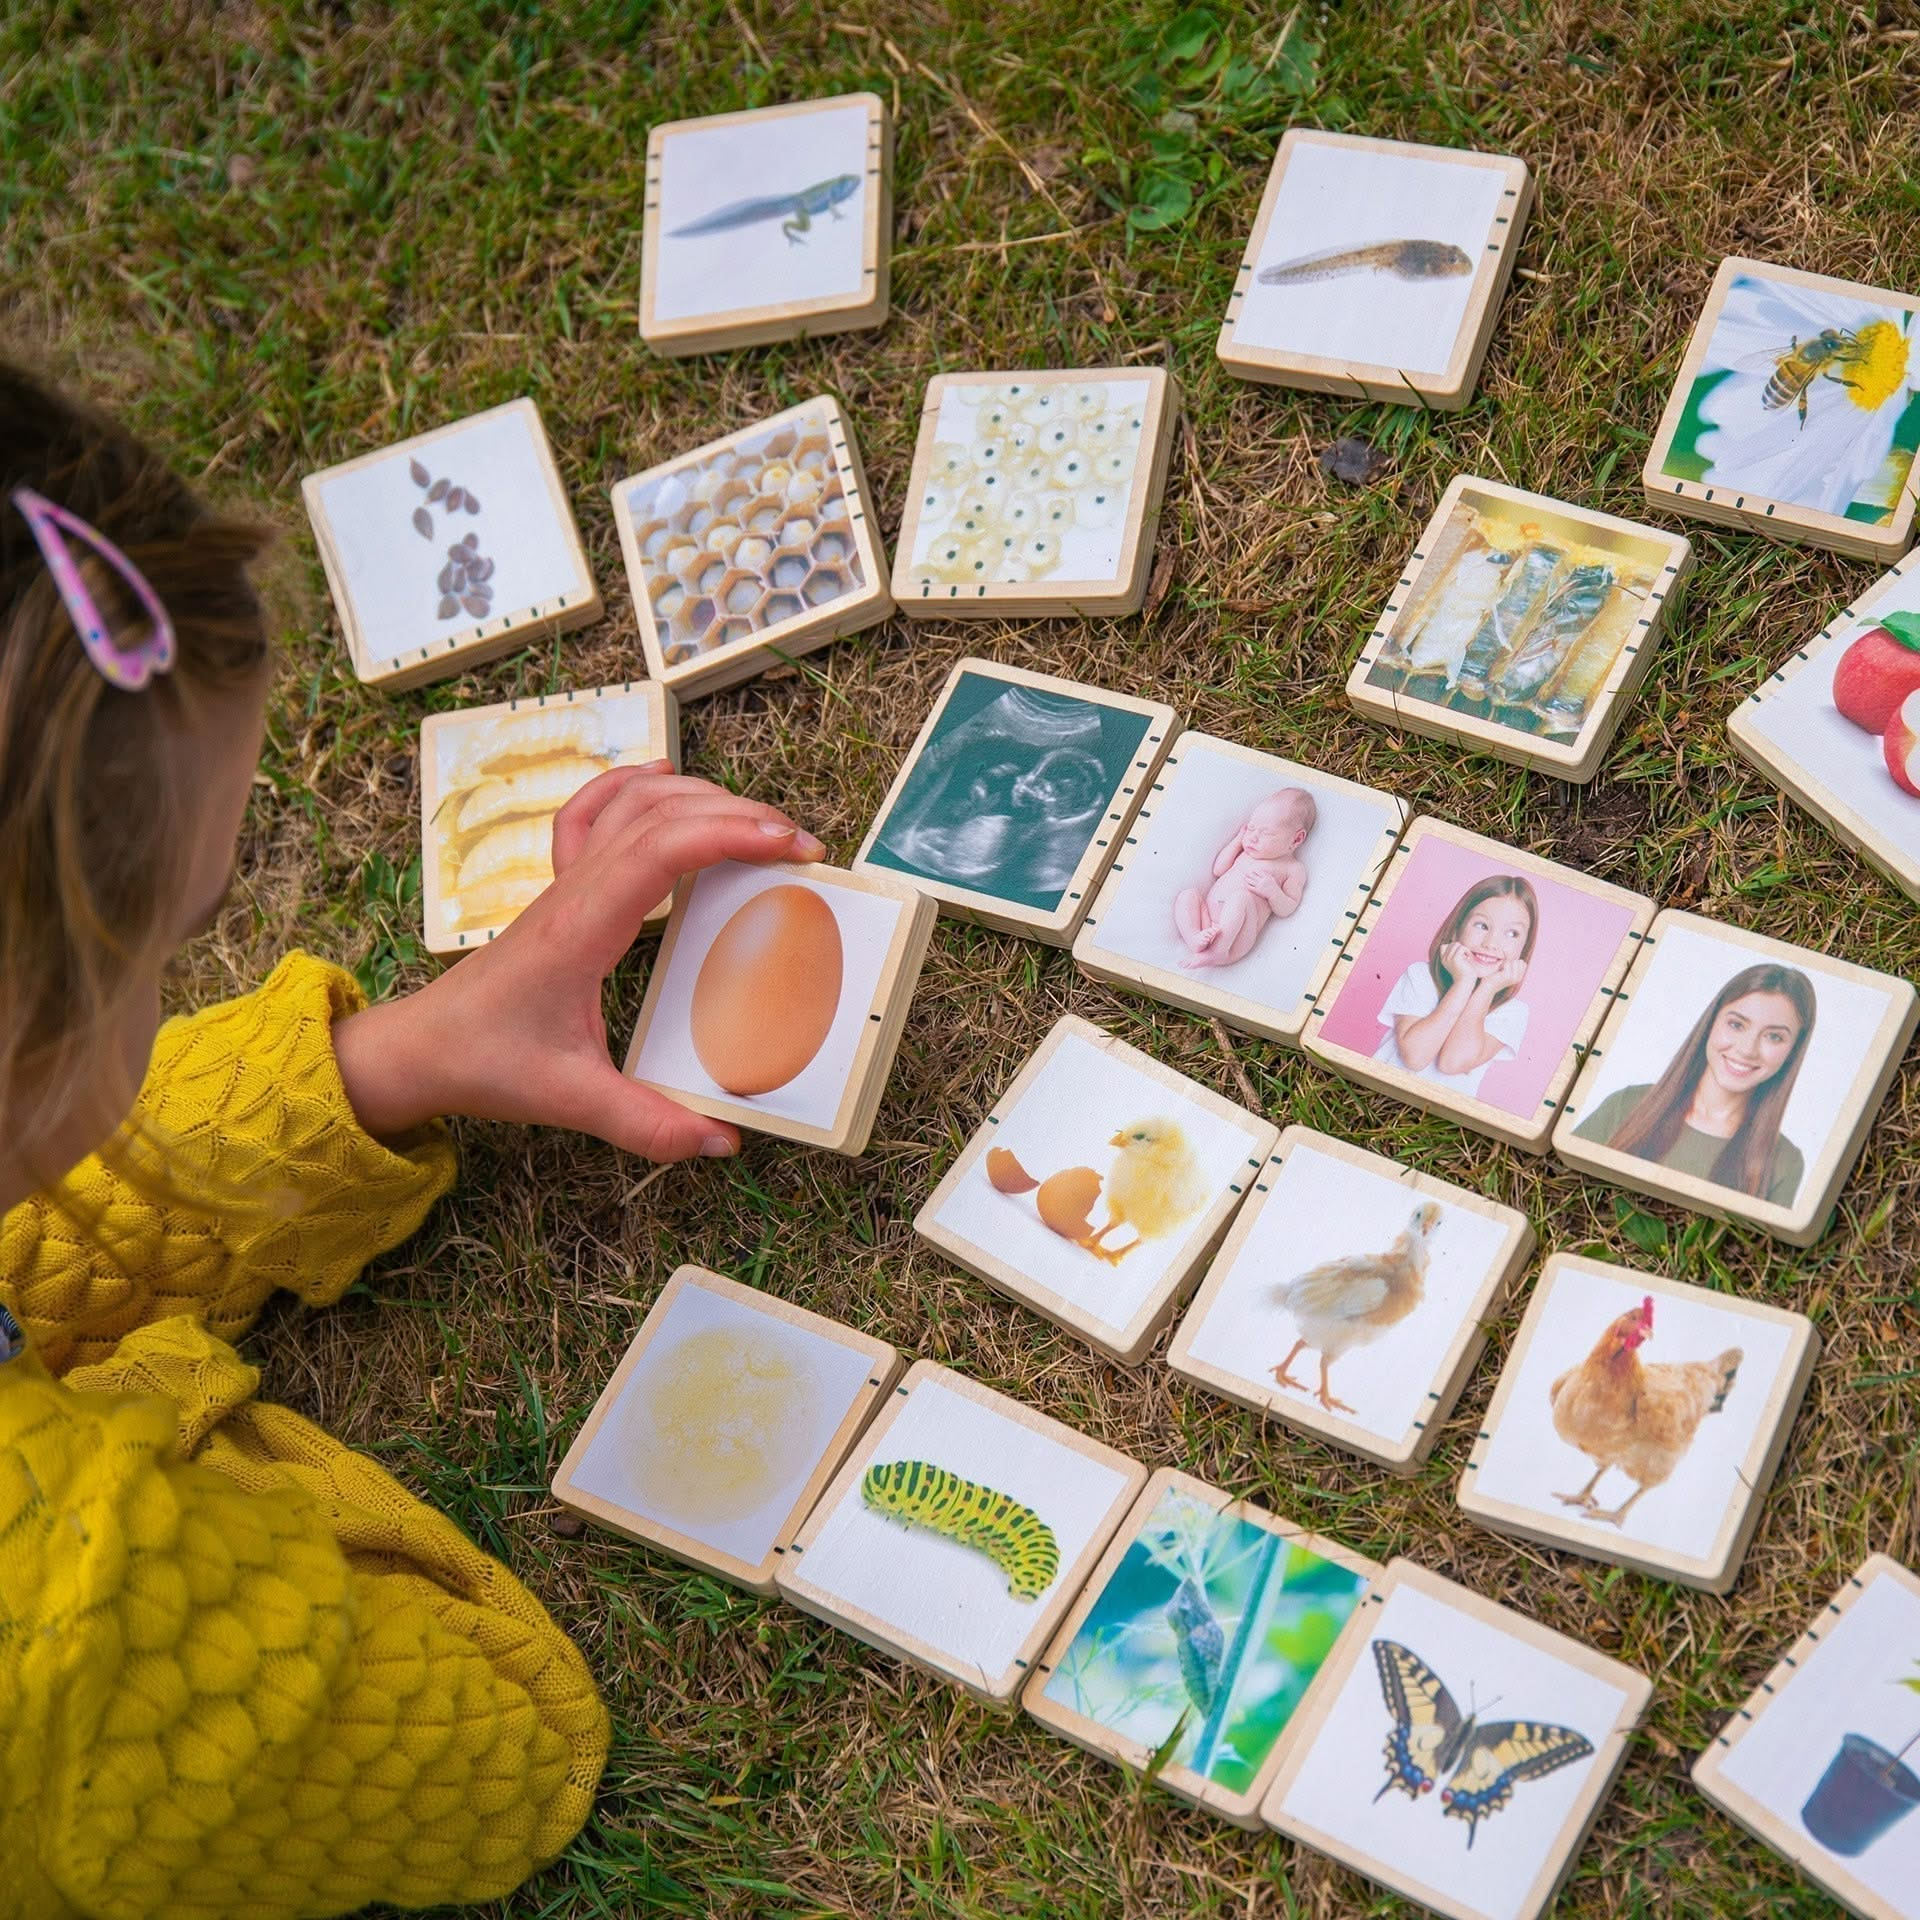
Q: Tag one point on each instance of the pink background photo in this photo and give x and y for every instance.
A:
(1576, 942)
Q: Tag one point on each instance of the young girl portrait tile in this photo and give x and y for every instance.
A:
(1351, 1297)
(1475, 978)
(1738, 1074)
(1096, 1187)
(1238, 884)
(1639, 1420)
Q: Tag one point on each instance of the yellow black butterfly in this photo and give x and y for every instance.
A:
(1430, 1737)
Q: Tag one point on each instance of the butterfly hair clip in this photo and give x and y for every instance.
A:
(128, 668)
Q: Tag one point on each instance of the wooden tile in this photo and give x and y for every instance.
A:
(723, 1421)
(1096, 1188)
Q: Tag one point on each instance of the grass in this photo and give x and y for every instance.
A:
(278, 235)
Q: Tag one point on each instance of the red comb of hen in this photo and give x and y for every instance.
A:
(1646, 1309)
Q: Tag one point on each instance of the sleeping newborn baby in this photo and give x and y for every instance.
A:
(1257, 876)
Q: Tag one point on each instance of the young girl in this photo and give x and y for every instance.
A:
(1716, 1111)
(1449, 1020)
(242, 1671)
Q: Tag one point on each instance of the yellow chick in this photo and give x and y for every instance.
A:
(1154, 1186)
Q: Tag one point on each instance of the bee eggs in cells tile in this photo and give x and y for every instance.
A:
(1639, 1420)
(777, 996)
(1457, 1752)
(1350, 1297)
(960, 1530)
(1096, 1186)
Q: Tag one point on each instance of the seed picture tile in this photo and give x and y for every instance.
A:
(1096, 1187)
(1475, 981)
(1238, 884)
(1837, 728)
(1400, 1768)
(1206, 1623)
(1791, 413)
(1737, 1075)
(723, 1421)
(752, 549)
(1521, 627)
(1376, 268)
(491, 780)
(959, 1532)
(778, 998)
(1640, 1420)
(1035, 493)
(767, 225)
(1015, 796)
(451, 548)
(1351, 1297)
(1820, 1761)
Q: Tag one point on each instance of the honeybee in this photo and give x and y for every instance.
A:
(1790, 376)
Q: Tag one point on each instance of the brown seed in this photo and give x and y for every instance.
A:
(473, 505)
(445, 582)
(436, 491)
(456, 579)
(471, 540)
(449, 607)
(423, 523)
(475, 605)
(480, 570)
(569, 1526)
(455, 497)
(457, 552)
(421, 477)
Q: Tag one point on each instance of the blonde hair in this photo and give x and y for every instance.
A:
(95, 827)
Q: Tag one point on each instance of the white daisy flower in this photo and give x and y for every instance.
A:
(1755, 439)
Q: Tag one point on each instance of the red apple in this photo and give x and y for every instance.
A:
(1878, 671)
(1903, 745)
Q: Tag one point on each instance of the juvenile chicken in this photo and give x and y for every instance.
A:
(1638, 1416)
(1154, 1187)
(1345, 1303)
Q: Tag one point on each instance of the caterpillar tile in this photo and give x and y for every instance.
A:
(959, 1531)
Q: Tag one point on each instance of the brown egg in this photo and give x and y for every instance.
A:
(1066, 1200)
(766, 994)
(1006, 1173)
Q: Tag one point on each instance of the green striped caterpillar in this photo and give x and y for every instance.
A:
(1013, 1537)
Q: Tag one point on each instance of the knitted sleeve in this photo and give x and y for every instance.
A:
(243, 1676)
(244, 1107)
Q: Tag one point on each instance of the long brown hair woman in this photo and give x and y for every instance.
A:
(1717, 1110)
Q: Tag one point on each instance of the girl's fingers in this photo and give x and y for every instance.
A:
(575, 821)
(638, 1120)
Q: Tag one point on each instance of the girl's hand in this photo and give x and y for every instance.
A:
(1508, 975)
(515, 1031)
(1459, 962)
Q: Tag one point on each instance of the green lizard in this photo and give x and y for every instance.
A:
(799, 208)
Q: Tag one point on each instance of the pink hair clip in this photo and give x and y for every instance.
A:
(128, 668)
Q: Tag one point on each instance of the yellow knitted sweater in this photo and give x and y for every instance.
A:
(242, 1672)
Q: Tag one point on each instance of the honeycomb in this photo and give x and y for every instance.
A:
(744, 540)
(1025, 474)
(503, 777)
